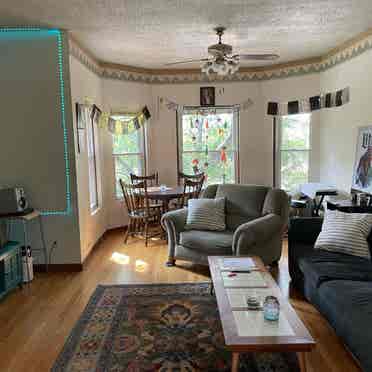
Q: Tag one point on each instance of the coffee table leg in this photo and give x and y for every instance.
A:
(302, 360)
(235, 362)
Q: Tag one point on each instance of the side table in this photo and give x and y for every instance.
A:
(25, 218)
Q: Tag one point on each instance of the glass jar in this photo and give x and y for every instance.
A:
(271, 308)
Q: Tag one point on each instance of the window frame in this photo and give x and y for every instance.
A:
(236, 137)
(92, 134)
(143, 154)
(277, 158)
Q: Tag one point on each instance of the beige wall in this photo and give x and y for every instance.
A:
(86, 85)
(255, 126)
(31, 138)
(339, 125)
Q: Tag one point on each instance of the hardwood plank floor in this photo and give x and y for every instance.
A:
(35, 321)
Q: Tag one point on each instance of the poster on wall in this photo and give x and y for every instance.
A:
(362, 175)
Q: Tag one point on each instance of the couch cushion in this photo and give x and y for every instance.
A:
(208, 242)
(345, 233)
(206, 214)
(320, 267)
(243, 203)
(348, 307)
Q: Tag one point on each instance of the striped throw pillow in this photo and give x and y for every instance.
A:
(206, 214)
(345, 233)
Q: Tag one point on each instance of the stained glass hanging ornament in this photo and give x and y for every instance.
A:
(206, 124)
(193, 138)
(219, 120)
(206, 150)
(221, 132)
(197, 123)
(191, 124)
(223, 157)
(194, 161)
(225, 124)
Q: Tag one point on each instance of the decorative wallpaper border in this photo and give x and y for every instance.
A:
(343, 53)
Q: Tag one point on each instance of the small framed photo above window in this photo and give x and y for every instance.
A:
(207, 96)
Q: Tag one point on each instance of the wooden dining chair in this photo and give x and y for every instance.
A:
(142, 216)
(193, 177)
(191, 190)
(152, 179)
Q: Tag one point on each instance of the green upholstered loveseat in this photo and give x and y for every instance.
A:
(256, 217)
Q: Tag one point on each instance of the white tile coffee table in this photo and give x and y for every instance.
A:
(247, 330)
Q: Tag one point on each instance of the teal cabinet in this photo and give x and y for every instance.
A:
(10, 267)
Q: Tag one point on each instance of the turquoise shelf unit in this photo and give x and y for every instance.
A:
(10, 267)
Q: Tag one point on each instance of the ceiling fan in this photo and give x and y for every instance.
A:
(221, 59)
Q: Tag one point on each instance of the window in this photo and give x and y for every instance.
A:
(208, 142)
(91, 128)
(293, 151)
(129, 153)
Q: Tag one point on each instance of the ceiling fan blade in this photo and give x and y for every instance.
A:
(187, 61)
(257, 57)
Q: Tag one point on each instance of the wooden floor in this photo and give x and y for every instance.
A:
(35, 321)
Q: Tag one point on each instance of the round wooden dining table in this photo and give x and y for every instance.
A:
(170, 193)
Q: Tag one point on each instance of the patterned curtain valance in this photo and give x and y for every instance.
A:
(310, 104)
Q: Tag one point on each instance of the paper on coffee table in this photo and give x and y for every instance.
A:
(236, 264)
(253, 279)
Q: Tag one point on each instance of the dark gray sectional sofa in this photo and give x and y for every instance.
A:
(338, 285)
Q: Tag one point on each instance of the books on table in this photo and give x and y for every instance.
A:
(237, 264)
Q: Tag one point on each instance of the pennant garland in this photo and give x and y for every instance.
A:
(104, 119)
(170, 105)
(328, 100)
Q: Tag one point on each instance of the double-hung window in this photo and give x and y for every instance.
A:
(129, 153)
(92, 144)
(293, 151)
(208, 142)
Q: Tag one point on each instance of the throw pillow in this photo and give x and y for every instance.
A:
(345, 233)
(206, 214)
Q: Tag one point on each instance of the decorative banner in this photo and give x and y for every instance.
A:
(170, 105)
(306, 105)
(104, 119)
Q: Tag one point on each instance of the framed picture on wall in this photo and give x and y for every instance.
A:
(362, 173)
(207, 96)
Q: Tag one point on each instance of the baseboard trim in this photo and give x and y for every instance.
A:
(76, 267)
(58, 268)
(99, 241)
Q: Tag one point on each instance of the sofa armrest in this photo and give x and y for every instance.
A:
(174, 222)
(302, 234)
(177, 218)
(256, 232)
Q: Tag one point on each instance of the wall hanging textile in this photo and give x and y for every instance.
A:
(310, 104)
(107, 120)
(170, 105)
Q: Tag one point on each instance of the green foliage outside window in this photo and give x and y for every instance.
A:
(203, 139)
(129, 157)
(294, 151)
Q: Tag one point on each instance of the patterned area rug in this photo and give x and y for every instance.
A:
(157, 327)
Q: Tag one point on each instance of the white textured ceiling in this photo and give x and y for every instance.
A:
(149, 33)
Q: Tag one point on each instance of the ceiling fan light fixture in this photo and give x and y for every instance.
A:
(220, 67)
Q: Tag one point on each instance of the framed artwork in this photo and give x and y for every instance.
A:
(362, 173)
(207, 96)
